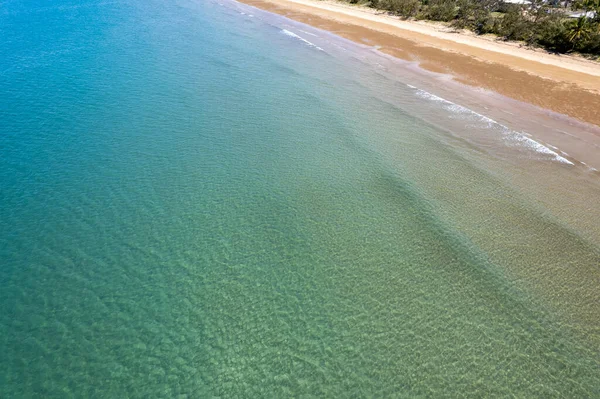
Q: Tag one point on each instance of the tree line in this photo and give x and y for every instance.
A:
(543, 23)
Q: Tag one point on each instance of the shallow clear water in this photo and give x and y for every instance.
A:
(200, 202)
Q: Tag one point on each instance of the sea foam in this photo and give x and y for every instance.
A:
(292, 34)
(511, 136)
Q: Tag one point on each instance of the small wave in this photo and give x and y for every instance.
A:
(459, 109)
(589, 167)
(308, 33)
(292, 34)
(538, 147)
(510, 135)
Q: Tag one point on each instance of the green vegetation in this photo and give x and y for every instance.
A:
(557, 26)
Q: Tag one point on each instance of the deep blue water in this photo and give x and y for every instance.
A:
(196, 202)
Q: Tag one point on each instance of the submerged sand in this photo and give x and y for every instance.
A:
(564, 84)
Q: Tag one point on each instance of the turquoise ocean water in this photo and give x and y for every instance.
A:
(204, 200)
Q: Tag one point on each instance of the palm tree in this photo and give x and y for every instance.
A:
(578, 31)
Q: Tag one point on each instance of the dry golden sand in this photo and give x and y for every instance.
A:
(563, 84)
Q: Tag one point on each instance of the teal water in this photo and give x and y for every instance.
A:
(197, 203)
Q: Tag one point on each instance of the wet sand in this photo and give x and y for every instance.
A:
(562, 84)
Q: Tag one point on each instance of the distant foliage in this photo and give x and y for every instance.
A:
(515, 25)
(441, 10)
(403, 8)
(542, 23)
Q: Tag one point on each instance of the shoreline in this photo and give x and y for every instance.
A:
(563, 84)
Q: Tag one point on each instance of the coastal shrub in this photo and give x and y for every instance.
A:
(441, 10)
(465, 15)
(475, 15)
(552, 34)
(404, 8)
(507, 7)
(592, 44)
(539, 23)
(484, 24)
(514, 25)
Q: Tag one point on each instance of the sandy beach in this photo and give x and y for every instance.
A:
(565, 84)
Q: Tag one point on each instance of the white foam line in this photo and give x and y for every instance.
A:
(292, 34)
(459, 109)
(511, 135)
(541, 148)
(308, 33)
